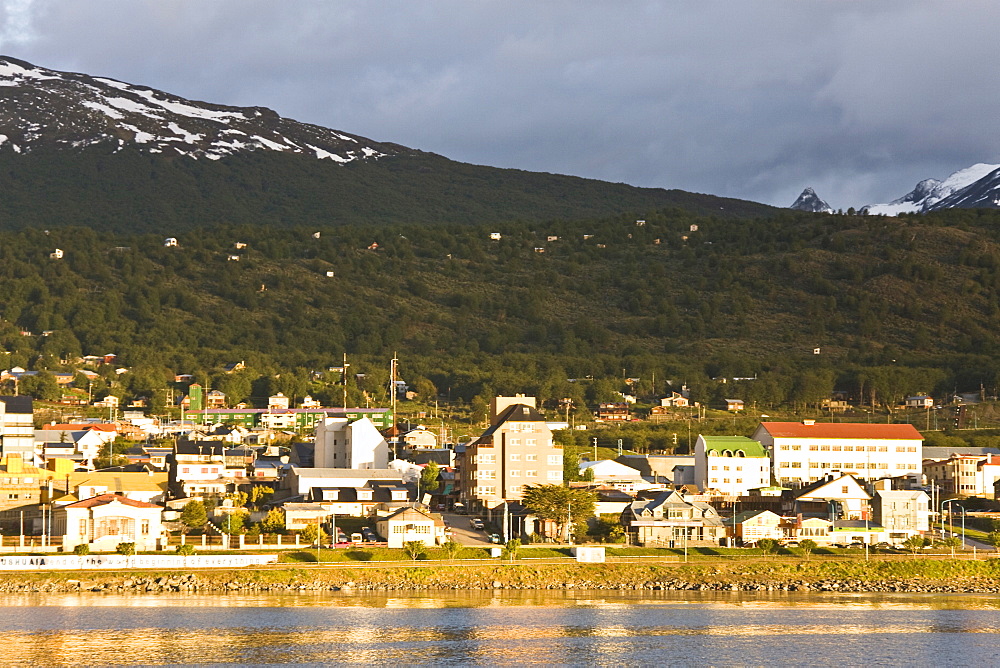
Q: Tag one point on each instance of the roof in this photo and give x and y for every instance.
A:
(19, 404)
(855, 430)
(104, 499)
(82, 426)
(365, 474)
(832, 480)
(128, 481)
(513, 413)
(408, 513)
(721, 445)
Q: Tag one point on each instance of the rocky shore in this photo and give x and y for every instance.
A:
(936, 577)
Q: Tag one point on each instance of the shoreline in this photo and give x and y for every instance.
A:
(945, 577)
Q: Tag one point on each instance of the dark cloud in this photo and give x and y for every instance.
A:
(752, 99)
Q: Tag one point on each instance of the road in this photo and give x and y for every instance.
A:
(463, 533)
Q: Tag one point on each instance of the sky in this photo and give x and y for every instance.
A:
(749, 99)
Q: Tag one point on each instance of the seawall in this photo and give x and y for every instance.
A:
(944, 576)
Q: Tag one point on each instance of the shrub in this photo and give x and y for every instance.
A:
(414, 548)
(185, 550)
(128, 549)
(81, 550)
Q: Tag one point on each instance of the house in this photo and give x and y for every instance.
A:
(278, 402)
(734, 405)
(669, 520)
(835, 497)
(515, 450)
(806, 451)
(420, 437)
(411, 524)
(105, 521)
(81, 446)
(215, 399)
(920, 401)
(903, 513)
(675, 400)
(146, 487)
(612, 474)
(964, 474)
(816, 529)
(350, 444)
(17, 427)
(233, 367)
(309, 402)
(199, 468)
(20, 492)
(750, 526)
(57, 254)
(614, 412)
(170, 242)
(299, 481)
(732, 465)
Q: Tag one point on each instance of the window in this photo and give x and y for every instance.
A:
(554, 475)
(814, 465)
(487, 459)
(531, 474)
(555, 460)
(487, 474)
(514, 441)
(824, 447)
(848, 448)
(883, 448)
(486, 490)
(531, 458)
(836, 448)
(145, 527)
(514, 473)
(784, 447)
(83, 528)
(843, 490)
(715, 468)
(714, 480)
(725, 468)
(795, 465)
(796, 447)
(814, 447)
(530, 442)
(515, 457)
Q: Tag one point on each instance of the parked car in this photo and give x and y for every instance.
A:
(494, 538)
(477, 524)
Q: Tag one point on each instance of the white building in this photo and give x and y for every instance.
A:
(17, 428)
(104, 521)
(343, 444)
(619, 476)
(732, 465)
(804, 452)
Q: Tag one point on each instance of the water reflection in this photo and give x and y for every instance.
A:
(500, 628)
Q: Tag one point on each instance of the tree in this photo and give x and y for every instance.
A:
(239, 499)
(185, 550)
(193, 515)
(127, 549)
(993, 538)
(916, 543)
(260, 494)
(429, 477)
(767, 545)
(510, 549)
(313, 533)
(81, 550)
(273, 522)
(557, 503)
(233, 523)
(951, 542)
(414, 549)
(451, 549)
(807, 546)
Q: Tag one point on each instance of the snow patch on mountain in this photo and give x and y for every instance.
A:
(810, 201)
(929, 192)
(67, 110)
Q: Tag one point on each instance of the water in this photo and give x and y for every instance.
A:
(668, 628)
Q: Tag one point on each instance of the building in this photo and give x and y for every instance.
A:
(350, 444)
(671, 521)
(964, 474)
(515, 450)
(732, 465)
(835, 497)
(751, 526)
(20, 492)
(613, 474)
(902, 513)
(105, 521)
(295, 419)
(199, 469)
(411, 524)
(17, 427)
(804, 452)
(614, 412)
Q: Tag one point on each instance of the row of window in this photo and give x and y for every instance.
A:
(553, 460)
(490, 474)
(740, 468)
(852, 448)
(411, 528)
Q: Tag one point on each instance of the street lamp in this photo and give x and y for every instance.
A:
(951, 519)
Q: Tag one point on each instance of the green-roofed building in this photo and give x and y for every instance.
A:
(730, 465)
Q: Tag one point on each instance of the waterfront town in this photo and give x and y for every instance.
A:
(239, 478)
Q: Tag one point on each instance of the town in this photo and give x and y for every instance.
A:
(281, 477)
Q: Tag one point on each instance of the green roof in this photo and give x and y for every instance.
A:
(746, 447)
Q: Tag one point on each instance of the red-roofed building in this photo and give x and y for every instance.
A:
(804, 452)
(104, 521)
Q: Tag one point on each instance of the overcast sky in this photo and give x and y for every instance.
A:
(755, 100)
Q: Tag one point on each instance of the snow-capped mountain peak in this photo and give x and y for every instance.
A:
(810, 201)
(41, 108)
(930, 194)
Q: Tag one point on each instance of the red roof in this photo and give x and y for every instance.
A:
(104, 499)
(856, 430)
(84, 426)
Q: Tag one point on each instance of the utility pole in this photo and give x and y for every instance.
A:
(344, 380)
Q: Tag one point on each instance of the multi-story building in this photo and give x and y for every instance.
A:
(350, 444)
(804, 452)
(298, 419)
(17, 427)
(902, 513)
(515, 451)
(964, 474)
(732, 465)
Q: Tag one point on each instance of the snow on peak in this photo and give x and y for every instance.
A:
(810, 201)
(70, 110)
(930, 192)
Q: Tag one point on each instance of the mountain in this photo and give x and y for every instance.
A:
(92, 151)
(810, 201)
(934, 195)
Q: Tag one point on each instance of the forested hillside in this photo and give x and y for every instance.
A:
(895, 306)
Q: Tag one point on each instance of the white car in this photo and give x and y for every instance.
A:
(477, 524)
